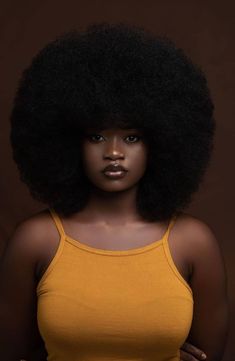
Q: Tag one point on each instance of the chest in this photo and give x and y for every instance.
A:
(122, 238)
(134, 307)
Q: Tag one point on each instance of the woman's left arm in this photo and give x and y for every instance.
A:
(210, 324)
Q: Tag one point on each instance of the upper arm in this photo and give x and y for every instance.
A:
(18, 302)
(210, 323)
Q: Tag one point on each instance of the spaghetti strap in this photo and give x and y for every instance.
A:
(57, 221)
(171, 224)
(170, 259)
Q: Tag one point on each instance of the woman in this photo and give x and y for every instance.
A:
(113, 129)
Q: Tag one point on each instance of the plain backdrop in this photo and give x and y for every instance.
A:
(204, 29)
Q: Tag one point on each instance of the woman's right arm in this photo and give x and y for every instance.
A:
(19, 334)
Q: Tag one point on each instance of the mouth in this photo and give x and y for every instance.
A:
(114, 168)
(116, 174)
(114, 171)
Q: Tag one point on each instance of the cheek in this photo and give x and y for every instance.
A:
(87, 156)
(139, 158)
(142, 155)
(91, 160)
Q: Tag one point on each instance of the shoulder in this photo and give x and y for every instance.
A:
(33, 235)
(197, 235)
(209, 274)
(192, 224)
(209, 286)
(18, 282)
(199, 243)
(188, 238)
(35, 227)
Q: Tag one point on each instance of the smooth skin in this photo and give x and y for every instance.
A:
(111, 205)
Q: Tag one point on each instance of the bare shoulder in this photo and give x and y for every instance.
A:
(18, 298)
(192, 224)
(39, 224)
(35, 235)
(198, 236)
(206, 255)
(34, 228)
(210, 322)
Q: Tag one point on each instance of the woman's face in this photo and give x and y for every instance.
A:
(124, 147)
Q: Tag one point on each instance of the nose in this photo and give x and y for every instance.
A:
(113, 150)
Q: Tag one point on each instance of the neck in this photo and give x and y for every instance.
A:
(112, 208)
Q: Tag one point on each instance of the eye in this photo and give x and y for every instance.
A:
(94, 137)
(133, 136)
(97, 138)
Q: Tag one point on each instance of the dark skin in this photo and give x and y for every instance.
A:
(110, 211)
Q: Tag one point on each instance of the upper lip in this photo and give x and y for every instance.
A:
(114, 168)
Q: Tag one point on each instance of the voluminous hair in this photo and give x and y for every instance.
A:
(112, 75)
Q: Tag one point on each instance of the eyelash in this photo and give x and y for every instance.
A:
(93, 135)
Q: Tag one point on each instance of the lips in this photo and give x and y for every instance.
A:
(114, 168)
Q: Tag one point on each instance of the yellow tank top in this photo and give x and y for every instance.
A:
(105, 305)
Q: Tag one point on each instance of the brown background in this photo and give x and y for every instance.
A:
(204, 29)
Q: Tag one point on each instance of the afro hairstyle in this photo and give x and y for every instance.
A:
(112, 75)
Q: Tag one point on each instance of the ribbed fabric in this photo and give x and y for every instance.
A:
(104, 305)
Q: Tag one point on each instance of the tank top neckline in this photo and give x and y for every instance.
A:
(86, 247)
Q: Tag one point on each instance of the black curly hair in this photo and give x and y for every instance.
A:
(112, 75)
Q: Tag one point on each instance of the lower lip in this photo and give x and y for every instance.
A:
(115, 175)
